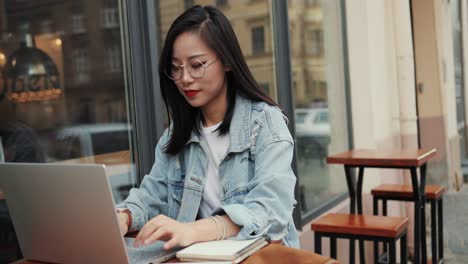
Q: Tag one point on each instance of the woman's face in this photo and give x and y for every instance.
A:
(205, 86)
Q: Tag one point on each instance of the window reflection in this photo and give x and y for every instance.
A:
(252, 24)
(312, 132)
(318, 89)
(62, 91)
(318, 94)
(258, 40)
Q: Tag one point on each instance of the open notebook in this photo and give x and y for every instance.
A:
(225, 250)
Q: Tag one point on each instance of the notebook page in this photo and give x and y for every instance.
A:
(225, 248)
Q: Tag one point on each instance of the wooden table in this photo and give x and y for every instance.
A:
(395, 159)
(271, 254)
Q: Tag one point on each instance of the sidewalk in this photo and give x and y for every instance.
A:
(456, 226)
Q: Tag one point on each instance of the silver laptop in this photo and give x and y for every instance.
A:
(65, 214)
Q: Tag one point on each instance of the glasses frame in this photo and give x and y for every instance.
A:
(189, 69)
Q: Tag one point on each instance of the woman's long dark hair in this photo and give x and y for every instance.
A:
(214, 28)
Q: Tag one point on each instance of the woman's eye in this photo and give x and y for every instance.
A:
(196, 66)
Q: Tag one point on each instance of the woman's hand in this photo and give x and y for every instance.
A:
(122, 218)
(167, 229)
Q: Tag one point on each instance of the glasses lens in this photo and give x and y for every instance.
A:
(174, 72)
(196, 69)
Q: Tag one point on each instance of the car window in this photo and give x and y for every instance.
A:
(321, 118)
(67, 148)
(300, 117)
(106, 142)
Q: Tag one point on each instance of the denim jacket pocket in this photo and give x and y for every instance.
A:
(176, 190)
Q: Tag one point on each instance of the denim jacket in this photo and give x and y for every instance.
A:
(257, 181)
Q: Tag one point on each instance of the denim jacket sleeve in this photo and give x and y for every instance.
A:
(268, 206)
(150, 199)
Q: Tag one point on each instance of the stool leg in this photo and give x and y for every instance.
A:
(422, 186)
(423, 233)
(440, 229)
(384, 213)
(318, 243)
(392, 253)
(362, 259)
(352, 251)
(375, 205)
(333, 247)
(417, 215)
(403, 249)
(362, 253)
(433, 231)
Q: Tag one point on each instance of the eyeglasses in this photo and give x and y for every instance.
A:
(196, 69)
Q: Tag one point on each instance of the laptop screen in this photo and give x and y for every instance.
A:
(65, 214)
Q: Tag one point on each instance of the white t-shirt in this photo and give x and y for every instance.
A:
(218, 146)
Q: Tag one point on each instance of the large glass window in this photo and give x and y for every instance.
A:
(252, 23)
(62, 92)
(318, 92)
(318, 82)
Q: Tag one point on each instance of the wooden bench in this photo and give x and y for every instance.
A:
(361, 227)
(404, 192)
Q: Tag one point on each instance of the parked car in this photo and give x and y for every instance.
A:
(90, 140)
(312, 131)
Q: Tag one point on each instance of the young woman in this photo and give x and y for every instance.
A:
(223, 167)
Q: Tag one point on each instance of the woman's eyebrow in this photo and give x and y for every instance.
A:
(197, 55)
(192, 57)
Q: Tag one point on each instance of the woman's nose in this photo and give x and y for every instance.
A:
(186, 76)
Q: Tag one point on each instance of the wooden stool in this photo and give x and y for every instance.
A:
(275, 254)
(404, 192)
(361, 227)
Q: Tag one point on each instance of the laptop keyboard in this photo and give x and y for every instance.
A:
(153, 253)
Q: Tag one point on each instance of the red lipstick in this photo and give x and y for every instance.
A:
(190, 93)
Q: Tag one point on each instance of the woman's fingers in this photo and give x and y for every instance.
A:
(171, 243)
(162, 233)
(150, 227)
(166, 229)
(146, 231)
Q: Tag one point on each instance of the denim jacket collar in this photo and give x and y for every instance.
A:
(239, 130)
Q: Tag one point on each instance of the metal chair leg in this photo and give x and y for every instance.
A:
(440, 229)
(392, 252)
(333, 247)
(434, 232)
(384, 213)
(403, 249)
(318, 243)
(375, 205)
(352, 248)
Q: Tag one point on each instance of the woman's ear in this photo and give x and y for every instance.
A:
(227, 68)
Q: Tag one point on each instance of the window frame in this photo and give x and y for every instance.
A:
(284, 79)
(77, 23)
(258, 45)
(140, 56)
